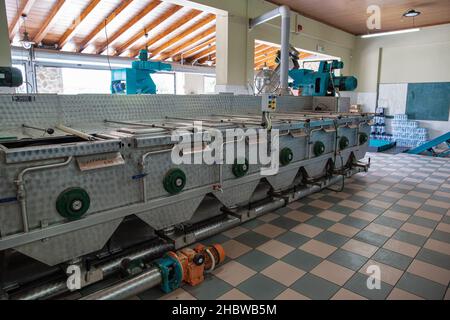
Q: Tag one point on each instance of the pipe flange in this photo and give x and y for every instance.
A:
(240, 169)
(286, 156)
(319, 148)
(73, 203)
(174, 181)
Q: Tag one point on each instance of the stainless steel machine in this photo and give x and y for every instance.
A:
(88, 180)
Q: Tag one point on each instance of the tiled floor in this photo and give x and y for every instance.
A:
(396, 217)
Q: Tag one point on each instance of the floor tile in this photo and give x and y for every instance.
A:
(402, 247)
(409, 204)
(344, 230)
(333, 272)
(233, 273)
(399, 294)
(389, 275)
(439, 246)
(284, 222)
(342, 209)
(371, 238)
(290, 294)
(318, 248)
(396, 215)
(252, 239)
(284, 273)
(275, 249)
(354, 222)
(362, 215)
(269, 230)
(347, 259)
(269, 217)
(392, 258)
(350, 204)
(358, 285)
(321, 204)
(414, 228)
(260, 287)
(445, 227)
(427, 223)
(252, 224)
(256, 260)
(331, 215)
(332, 238)
(430, 272)
(234, 295)
(235, 232)
(421, 287)
(441, 236)
(234, 249)
(211, 289)
(315, 287)
(410, 238)
(179, 294)
(307, 230)
(293, 239)
(389, 222)
(310, 210)
(302, 260)
(344, 294)
(380, 229)
(320, 223)
(298, 216)
(361, 248)
(402, 209)
(283, 211)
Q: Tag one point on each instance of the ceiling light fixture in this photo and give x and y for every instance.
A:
(412, 13)
(380, 34)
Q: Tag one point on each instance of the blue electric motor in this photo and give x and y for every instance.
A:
(324, 82)
(137, 79)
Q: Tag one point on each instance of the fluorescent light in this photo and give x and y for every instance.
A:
(389, 33)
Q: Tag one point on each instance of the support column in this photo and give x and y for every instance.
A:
(5, 48)
(231, 43)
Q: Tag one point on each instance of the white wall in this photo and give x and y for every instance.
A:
(400, 59)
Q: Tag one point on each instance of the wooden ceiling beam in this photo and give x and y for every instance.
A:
(49, 21)
(136, 19)
(173, 27)
(266, 52)
(123, 47)
(209, 57)
(203, 53)
(209, 18)
(15, 23)
(102, 25)
(260, 48)
(187, 44)
(192, 51)
(71, 31)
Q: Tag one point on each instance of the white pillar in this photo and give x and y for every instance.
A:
(231, 44)
(5, 49)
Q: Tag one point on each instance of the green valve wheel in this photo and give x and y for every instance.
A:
(344, 143)
(240, 169)
(73, 203)
(363, 138)
(286, 156)
(319, 148)
(174, 181)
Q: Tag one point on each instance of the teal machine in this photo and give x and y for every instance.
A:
(324, 82)
(137, 79)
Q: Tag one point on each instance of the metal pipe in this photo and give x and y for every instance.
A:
(129, 288)
(144, 176)
(214, 228)
(285, 13)
(21, 192)
(77, 133)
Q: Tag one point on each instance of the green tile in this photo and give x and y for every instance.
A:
(332, 238)
(293, 239)
(342, 209)
(434, 209)
(358, 284)
(315, 288)
(210, 289)
(355, 222)
(302, 260)
(423, 222)
(421, 287)
(433, 257)
(389, 222)
(410, 238)
(320, 223)
(402, 209)
(371, 238)
(372, 209)
(256, 260)
(252, 239)
(441, 236)
(260, 287)
(393, 259)
(284, 223)
(283, 211)
(252, 224)
(347, 259)
(310, 210)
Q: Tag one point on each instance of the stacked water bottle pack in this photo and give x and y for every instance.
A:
(407, 133)
(378, 129)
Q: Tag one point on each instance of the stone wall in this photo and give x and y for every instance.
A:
(49, 80)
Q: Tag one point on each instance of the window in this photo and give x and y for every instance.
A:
(209, 84)
(80, 81)
(165, 82)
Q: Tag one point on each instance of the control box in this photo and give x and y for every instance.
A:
(269, 103)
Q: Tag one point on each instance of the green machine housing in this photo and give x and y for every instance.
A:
(10, 77)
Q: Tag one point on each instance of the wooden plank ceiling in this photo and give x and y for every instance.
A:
(116, 27)
(265, 55)
(351, 15)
